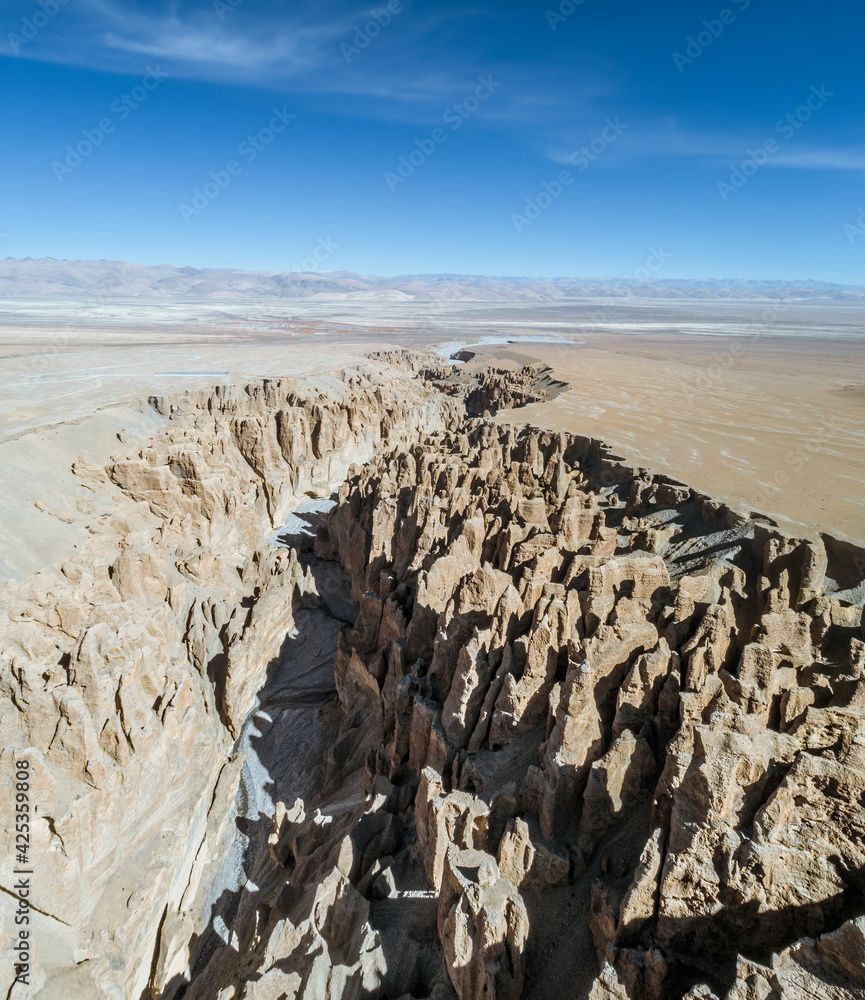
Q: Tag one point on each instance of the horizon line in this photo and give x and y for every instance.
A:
(447, 275)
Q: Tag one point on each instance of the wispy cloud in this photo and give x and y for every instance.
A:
(104, 35)
(252, 43)
(824, 159)
(411, 71)
(666, 139)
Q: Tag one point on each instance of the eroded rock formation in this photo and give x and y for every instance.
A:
(598, 735)
(486, 390)
(126, 677)
(570, 653)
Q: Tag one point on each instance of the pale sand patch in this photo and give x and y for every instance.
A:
(41, 385)
(777, 427)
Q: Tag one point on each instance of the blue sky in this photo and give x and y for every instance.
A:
(414, 137)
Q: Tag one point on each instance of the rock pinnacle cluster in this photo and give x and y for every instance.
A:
(595, 735)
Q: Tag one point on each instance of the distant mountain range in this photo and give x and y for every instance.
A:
(75, 279)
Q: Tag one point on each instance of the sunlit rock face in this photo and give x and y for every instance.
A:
(594, 675)
(592, 733)
(126, 677)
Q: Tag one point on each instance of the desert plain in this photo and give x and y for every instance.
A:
(435, 649)
(759, 403)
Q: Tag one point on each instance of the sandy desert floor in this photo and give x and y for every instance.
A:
(760, 405)
(777, 425)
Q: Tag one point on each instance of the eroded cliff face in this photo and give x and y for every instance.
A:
(595, 678)
(126, 678)
(597, 736)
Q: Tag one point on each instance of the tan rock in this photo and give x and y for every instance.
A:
(483, 927)
(614, 783)
(463, 705)
(574, 744)
(638, 698)
(640, 903)
(526, 864)
(504, 648)
(443, 820)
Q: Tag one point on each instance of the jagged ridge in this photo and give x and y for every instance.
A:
(562, 670)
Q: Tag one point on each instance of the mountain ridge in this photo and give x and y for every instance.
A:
(49, 277)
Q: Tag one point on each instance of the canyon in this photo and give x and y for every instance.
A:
(358, 685)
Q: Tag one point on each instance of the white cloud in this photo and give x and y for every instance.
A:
(665, 139)
(405, 74)
(823, 159)
(245, 44)
(205, 42)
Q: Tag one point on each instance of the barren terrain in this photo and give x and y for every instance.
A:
(775, 424)
(356, 672)
(759, 405)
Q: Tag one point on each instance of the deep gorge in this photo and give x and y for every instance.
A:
(589, 734)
